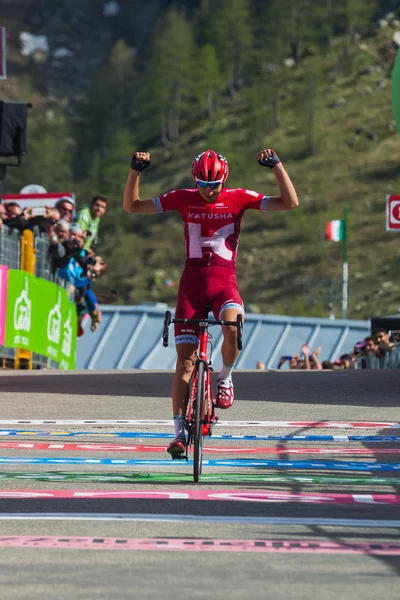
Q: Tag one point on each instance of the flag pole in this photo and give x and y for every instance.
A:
(345, 263)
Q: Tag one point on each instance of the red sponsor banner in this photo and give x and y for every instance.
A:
(3, 301)
(3, 70)
(392, 213)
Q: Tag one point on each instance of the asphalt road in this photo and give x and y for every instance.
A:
(313, 542)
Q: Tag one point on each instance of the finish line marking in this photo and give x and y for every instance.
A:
(213, 449)
(235, 495)
(243, 463)
(157, 435)
(205, 478)
(145, 517)
(150, 422)
(202, 545)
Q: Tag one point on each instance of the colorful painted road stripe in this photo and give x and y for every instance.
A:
(205, 478)
(153, 422)
(241, 463)
(161, 518)
(202, 545)
(212, 449)
(235, 495)
(156, 435)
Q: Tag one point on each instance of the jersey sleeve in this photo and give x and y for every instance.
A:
(169, 201)
(83, 219)
(253, 200)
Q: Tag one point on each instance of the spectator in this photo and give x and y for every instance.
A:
(13, 209)
(45, 222)
(294, 361)
(382, 341)
(345, 361)
(369, 347)
(89, 219)
(328, 365)
(311, 362)
(260, 366)
(62, 230)
(3, 215)
(66, 208)
(77, 272)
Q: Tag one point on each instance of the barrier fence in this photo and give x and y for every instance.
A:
(38, 321)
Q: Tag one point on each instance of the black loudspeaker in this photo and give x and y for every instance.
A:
(387, 323)
(13, 118)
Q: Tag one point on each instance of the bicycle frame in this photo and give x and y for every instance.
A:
(208, 405)
(200, 416)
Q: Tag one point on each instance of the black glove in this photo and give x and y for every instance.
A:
(271, 161)
(139, 165)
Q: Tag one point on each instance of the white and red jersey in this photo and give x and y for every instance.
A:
(212, 229)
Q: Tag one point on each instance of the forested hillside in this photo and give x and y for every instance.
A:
(310, 78)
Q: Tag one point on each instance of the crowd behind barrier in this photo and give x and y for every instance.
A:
(64, 254)
(380, 350)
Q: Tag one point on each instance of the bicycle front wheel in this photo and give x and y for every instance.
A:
(198, 411)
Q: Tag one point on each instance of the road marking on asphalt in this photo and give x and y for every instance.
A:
(311, 424)
(163, 435)
(205, 478)
(214, 449)
(202, 545)
(159, 518)
(236, 495)
(238, 463)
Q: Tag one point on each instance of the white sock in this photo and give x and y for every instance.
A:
(179, 425)
(226, 372)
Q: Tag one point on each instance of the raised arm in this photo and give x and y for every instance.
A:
(131, 202)
(288, 198)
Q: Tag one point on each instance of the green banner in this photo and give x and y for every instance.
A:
(40, 318)
(396, 91)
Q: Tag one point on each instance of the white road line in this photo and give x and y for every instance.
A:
(34, 516)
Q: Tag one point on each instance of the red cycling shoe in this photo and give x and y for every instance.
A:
(225, 395)
(177, 448)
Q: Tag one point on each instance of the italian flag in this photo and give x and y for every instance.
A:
(334, 231)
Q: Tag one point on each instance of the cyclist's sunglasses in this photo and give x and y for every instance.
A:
(211, 184)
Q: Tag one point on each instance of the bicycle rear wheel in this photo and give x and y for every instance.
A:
(198, 411)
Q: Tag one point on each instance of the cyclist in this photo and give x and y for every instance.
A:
(212, 216)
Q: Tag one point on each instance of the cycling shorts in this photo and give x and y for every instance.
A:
(200, 287)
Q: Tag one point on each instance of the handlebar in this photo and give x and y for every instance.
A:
(168, 319)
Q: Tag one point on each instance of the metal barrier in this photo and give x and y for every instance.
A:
(41, 266)
(389, 360)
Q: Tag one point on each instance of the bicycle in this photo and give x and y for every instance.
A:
(200, 415)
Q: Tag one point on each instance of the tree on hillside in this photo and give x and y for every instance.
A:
(354, 15)
(169, 75)
(108, 105)
(307, 107)
(209, 82)
(115, 167)
(230, 31)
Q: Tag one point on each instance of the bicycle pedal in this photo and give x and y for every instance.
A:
(179, 456)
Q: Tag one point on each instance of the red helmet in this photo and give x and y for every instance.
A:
(210, 166)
